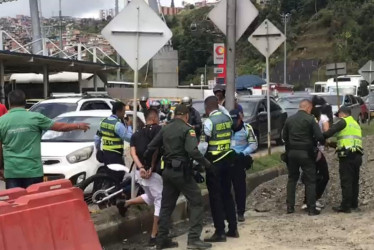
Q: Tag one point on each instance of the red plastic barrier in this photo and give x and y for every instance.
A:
(10, 195)
(55, 220)
(49, 186)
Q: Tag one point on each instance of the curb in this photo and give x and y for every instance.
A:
(111, 227)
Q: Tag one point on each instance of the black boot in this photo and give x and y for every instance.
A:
(290, 209)
(342, 210)
(164, 244)
(313, 211)
(198, 244)
(216, 238)
(121, 205)
(233, 234)
(241, 218)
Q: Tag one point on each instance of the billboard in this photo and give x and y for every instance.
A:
(219, 53)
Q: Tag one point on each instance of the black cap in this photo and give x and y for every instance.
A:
(181, 109)
(219, 87)
(235, 114)
(345, 110)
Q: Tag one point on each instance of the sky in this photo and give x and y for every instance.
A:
(77, 8)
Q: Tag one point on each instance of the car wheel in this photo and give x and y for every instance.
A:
(360, 120)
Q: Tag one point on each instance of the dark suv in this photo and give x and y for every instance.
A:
(255, 113)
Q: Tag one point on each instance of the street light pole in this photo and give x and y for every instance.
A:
(118, 56)
(60, 17)
(285, 20)
(230, 53)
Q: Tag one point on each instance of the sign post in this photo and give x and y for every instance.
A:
(137, 33)
(336, 69)
(266, 39)
(367, 72)
(232, 17)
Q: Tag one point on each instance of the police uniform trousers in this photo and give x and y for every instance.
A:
(301, 159)
(349, 171)
(174, 183)
(110, 157)
(239, 183)
(218, 180)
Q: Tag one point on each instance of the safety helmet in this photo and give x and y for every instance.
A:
(165, 105)
(144, 99)
(155, 105)
(186, 101)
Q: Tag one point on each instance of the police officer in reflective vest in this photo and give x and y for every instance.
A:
(180, 146)
(217, 130)
(243, 142)
(350, 151)
(111, 135)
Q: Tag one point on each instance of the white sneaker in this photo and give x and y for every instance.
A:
(304, 207)
(319, 204)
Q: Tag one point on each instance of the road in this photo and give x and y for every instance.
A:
(272, 228)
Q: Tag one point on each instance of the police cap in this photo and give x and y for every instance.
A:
(181, 109)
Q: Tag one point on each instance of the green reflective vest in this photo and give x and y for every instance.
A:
(220, 140)
(350, 137)
(110, 140)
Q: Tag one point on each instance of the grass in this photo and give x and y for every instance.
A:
(259, 164)
(266, 162)
(367, 129)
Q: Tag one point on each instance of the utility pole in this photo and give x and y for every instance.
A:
(118, 56)
(230, 53)
(36, 30)
(285, 21)
(60, 17)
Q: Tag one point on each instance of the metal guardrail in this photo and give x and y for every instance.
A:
(67, 54)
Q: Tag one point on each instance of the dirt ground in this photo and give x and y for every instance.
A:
(267, 225)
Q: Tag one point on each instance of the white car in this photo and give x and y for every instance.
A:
(72, 155)
(54, 107)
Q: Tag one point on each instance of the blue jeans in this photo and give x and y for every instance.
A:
(21, 182)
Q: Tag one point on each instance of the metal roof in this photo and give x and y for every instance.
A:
(30, 63)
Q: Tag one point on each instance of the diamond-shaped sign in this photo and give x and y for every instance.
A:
(137, 32)
(367, 71)
(267, 38)
(246, 12)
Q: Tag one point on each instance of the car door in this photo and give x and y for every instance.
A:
(276, 119)
(262, 119)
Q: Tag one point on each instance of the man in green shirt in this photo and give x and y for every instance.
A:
(20, 136)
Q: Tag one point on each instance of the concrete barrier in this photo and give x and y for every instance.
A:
(111, 227)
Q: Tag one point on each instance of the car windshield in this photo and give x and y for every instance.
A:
(291, 102)
(249, 107)
(333, 99)
(77, 135)
(52, 110)
(199, 106)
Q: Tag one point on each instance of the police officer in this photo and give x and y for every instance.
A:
(300, 134)
(111, 135)
(217, 130)
(350, 151)
(180, 145)
(194, 116)
(243, 142)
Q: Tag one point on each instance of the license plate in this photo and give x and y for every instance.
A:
(45, 178)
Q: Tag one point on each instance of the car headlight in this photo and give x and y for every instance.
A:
(80, 155)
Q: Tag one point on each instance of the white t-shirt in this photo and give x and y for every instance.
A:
(321, 121)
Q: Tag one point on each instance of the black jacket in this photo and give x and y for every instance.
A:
(301, 132)
(195, 120)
